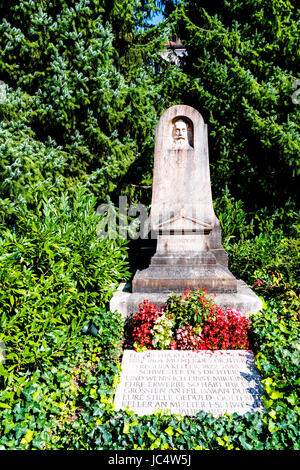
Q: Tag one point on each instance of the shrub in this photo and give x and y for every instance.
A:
(190, 308)
(269, 263)
(55, 274)
(188, 338)
(276, 428)
(37, 406)
(162, 332)
(236, 224)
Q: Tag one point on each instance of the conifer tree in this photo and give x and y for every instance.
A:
(239, 72)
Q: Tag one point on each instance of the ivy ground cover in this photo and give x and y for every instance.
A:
(69, 404)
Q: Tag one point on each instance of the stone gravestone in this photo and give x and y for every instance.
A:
(186, 382)
(182, 215)
(189, 252)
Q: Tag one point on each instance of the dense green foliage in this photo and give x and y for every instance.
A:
(189, 308)
(190, 321)
(86, 86)
(84, 89)
(55, 274)
(80, 103)
(37, 404)
(241, 65)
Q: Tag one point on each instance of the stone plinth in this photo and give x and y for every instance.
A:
(127, 303)
(175, 272)
(186, 382)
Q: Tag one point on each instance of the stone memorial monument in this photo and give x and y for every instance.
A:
(189, 252)
(182, 215)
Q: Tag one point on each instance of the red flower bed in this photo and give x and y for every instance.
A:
(226, 330)
(208, 327)
(143, 323)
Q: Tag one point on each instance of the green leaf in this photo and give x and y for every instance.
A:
(5, 405)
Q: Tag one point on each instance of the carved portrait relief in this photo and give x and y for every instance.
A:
(182, 134)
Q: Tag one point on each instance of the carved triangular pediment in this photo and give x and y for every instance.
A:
(175, 224)
(183, 222)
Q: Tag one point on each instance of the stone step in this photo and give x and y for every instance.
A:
(127, 303)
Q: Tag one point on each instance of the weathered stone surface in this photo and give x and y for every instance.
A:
(214, 243)
(177, 277)
(186, 382)
(127, 303)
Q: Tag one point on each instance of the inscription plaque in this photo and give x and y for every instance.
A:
(186, 382)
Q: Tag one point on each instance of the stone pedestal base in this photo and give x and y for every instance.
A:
(127, 303)
(175, 272)
(215, 278)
